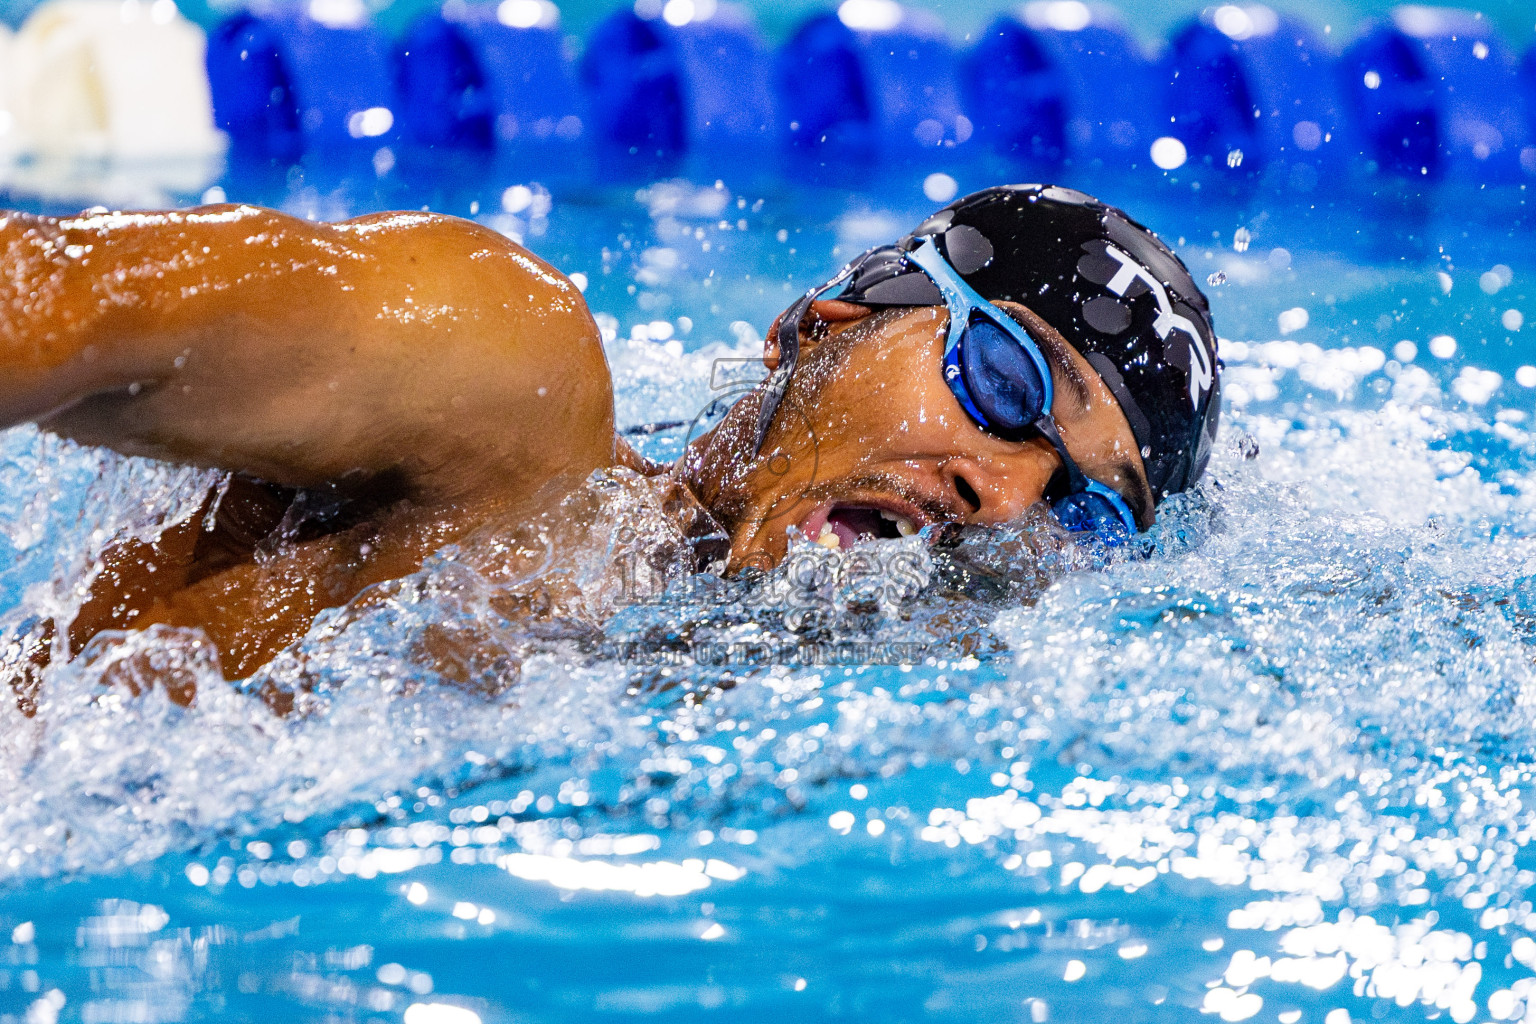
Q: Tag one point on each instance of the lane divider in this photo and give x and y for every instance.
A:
(299, 79)
(872, 77)
(1250, 89)
(1250, 93)
(1438, 93)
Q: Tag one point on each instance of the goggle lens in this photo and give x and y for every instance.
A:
(1003, 382)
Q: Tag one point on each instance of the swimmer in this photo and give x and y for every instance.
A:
(382, 387)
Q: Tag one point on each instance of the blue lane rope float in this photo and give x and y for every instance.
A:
(1063, 79)
(872, 77)
(481, 77)
(1528, 91)
(1436, 93)
(688, 75)
(1430, 92)
(284, 82)
(1257, 92)
(248, 76)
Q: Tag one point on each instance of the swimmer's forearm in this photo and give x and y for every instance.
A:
(97, 303)
(302, 353)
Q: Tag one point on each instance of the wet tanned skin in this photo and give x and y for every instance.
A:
(420, 375)
(424, 366)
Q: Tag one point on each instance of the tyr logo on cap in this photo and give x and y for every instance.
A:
(1124, 277)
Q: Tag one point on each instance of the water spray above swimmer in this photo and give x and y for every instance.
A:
(405, 385)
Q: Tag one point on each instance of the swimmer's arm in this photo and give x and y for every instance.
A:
(423, 347)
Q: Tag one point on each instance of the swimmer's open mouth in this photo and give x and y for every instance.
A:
(842, 525)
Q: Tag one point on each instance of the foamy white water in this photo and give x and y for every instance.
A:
(1281, 766)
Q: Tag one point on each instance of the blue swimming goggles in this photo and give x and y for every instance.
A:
(996, 371)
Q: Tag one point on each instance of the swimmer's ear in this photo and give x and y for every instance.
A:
(828, 311)
(836, 311)
(771, 345)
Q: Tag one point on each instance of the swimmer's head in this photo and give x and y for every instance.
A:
(868, 438)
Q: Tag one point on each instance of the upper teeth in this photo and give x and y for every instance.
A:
(904, 526)
(828, 537)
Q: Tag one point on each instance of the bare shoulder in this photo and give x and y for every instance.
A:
(414, 236)
(459, 264)
(304, 352)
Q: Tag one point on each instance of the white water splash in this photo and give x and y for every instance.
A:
(1314, 701)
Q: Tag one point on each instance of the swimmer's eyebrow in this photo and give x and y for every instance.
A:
(1072, 378)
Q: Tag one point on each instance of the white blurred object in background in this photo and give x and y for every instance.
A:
(8, 133)
(109, 79)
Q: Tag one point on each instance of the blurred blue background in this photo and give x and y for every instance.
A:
(1152, 20)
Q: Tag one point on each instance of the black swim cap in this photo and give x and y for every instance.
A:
(1114, 291)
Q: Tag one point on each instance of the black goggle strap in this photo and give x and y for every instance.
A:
(1045, 426)
(788, 337)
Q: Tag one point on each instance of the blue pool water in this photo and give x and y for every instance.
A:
(1280, 771)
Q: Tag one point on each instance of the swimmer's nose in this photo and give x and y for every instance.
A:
(990, 493)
